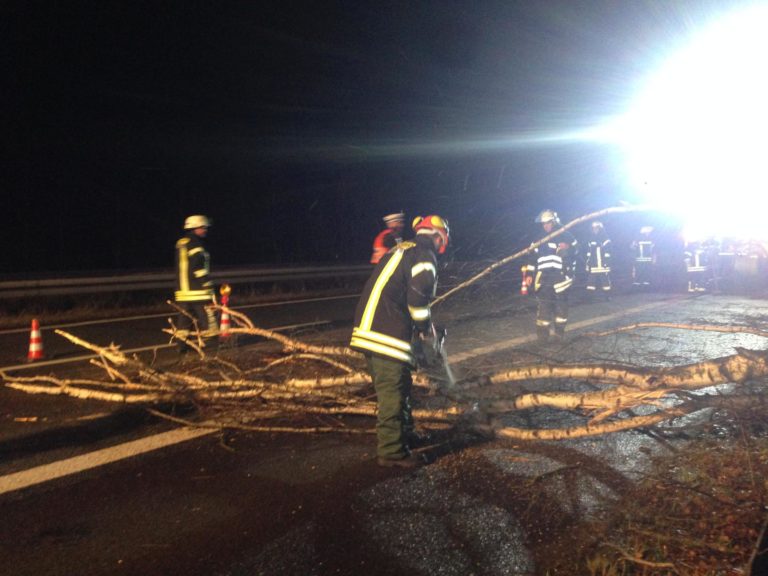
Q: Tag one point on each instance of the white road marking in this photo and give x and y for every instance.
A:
(47, 472)
(323, 299)
(512, 342)
(41, 363)
(172, 313)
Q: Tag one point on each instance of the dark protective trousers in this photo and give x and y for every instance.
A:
(642, 273)
(599, 281)
(202, 318)
(552, 309)
(392, 382)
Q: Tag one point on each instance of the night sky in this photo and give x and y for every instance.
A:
(297, 125)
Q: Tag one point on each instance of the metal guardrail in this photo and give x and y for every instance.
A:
(165, 280)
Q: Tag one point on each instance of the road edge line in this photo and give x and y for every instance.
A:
(46, 472)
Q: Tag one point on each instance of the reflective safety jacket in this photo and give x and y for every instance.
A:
(643, 250)
(696, 258)
(383, 243)
(555, 263)
(599, 254)
(396, 300)
(193, 266)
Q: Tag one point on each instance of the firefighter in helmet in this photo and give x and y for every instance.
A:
(388, 238)
(599, 260)
(644, 258)
(392, 317)
(553, 269)
(697, 268)
(194, 288)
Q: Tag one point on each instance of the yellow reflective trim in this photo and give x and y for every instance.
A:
(382, 338)
(200, 273)
(195, 251)
(381, 349)
(183, 268)
(193, 295)
(562, 286)
(373, 300)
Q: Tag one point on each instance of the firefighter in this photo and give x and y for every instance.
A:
(697, 266)
(725, 268)
(599, 260)
(553, 275)
(194, 288)
(392, 318)
(388, 238)
(644, 258)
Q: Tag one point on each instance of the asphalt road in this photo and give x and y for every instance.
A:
(289, 505)
(144, 332)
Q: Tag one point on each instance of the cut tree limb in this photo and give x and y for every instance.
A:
(521, 253)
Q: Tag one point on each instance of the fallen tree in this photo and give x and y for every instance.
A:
(300, 382)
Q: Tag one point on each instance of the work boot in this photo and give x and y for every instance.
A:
(411, 461)
(542, 334)
(559, 331)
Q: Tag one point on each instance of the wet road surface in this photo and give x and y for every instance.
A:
(288, 505)
(145, 331)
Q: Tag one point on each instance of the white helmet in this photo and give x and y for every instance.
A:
(196, 221)
(393, 220)
(547, 216)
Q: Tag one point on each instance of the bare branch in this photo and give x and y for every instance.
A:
(521, 253)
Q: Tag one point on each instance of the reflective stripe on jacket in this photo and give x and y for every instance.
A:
(643, 251)
(696, 260)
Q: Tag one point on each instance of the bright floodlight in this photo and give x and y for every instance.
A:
(696, 137)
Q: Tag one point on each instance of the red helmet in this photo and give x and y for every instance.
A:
(434, 225)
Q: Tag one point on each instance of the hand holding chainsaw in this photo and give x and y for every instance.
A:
(429, 346)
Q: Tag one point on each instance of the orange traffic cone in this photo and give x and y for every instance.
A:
(224, 325)
(35, 342)
(225, 291)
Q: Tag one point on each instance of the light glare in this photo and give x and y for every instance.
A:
(695, 138)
